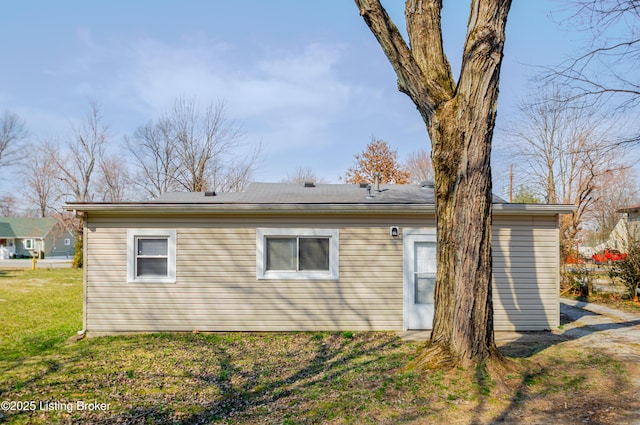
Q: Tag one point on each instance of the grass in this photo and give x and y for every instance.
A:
(285, 378)
(39, 310)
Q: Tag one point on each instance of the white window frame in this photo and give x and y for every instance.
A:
(132, 236)
(67, 242)
(261, 254)
(29, 244)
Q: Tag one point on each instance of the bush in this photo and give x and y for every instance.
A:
(77, 257)
(577, 281)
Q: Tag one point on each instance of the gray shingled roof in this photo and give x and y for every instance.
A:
(287, 193)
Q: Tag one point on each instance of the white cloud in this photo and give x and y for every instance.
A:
(295, 101)
(287, 83)
(283, 97)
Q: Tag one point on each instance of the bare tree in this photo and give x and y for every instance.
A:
(13, 130)
(460, 118)
(42, 189)
(419, 166)
(201, 137)
(155, 159)
(618, 190)
(113, 181)
(191, 148)
(563, 148)
(9, 206)
(77, 166)
(302, 175)
(233, 174)
(606, 68)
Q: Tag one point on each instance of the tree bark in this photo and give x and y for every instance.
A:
(460, 119)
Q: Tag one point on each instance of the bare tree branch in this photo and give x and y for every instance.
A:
(40, 176)
(85, 149)
(423, 89)
(12, 131)
(608, 66)
(155, 160)
(191, 148)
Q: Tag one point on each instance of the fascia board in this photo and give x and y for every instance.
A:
(211, 208)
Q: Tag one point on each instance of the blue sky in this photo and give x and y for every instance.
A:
(309, 83)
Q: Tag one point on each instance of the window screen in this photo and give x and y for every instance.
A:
(281, 254)
(293, 254)
(152, 257)
(314, 253)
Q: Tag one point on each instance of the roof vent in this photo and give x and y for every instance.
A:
(364, 185)
(309, 184)
(369, 196)
(209, 194)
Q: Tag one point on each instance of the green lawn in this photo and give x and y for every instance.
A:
(39, 310)
(251, 378)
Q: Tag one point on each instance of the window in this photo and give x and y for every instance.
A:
(151, 255)
(67, 242)
(28, 244)
(297, 254)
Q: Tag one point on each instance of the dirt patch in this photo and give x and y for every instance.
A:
(593, 360)
(587, 371)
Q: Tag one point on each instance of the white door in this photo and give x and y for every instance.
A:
(419, 279)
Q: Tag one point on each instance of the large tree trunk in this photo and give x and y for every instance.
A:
(463, 323)
(460, 119)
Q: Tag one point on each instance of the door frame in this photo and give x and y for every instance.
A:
(409, 237)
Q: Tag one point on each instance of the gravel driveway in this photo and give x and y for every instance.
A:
(609, 329)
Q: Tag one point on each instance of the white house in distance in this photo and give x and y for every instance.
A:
(282, 257)
(627, 227)
(26, 237)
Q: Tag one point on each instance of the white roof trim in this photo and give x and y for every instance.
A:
(504, 209)
(230, 208)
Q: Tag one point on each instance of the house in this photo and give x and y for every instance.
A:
(26, 237)
(284, 257)
(627, 227)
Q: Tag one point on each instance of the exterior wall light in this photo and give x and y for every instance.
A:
(394, 231)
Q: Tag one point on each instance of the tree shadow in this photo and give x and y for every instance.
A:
(530, 343)
(246, 391)
(573, 412)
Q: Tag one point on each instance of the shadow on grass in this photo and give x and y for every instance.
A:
(246, 393)
(249, 389)
(568, 398)
(531, 343)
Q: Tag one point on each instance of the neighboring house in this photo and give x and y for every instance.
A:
(26, 237)
(284, 257)
(617, 239)
(630, 222)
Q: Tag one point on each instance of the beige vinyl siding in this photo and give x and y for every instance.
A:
(526, 273)
(216, 287)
